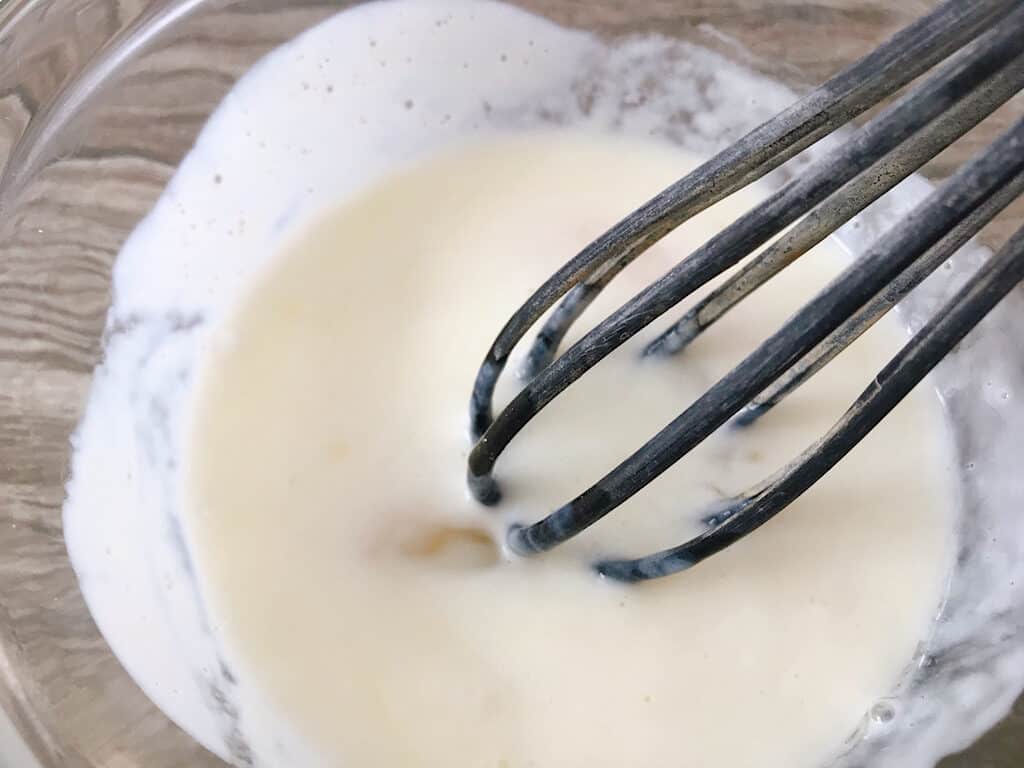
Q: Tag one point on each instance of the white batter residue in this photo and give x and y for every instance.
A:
(277, 433)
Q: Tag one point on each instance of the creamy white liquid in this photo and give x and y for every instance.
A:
(328, 451)
(804, 625)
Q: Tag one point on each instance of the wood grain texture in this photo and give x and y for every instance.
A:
(67, 205)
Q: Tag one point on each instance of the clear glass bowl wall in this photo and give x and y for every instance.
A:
(99, 101)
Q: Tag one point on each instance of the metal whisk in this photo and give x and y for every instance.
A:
(978, 47)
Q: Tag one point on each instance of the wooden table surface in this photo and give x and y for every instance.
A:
(64, 211)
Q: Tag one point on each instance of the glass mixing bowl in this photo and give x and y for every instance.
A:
(99, 101)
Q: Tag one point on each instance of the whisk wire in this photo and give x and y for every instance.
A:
(879, 74)
(984, 57)
(981, 46)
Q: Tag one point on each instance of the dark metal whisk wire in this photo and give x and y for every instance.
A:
(984, 44)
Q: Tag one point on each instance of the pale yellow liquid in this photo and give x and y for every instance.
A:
(328, 451)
